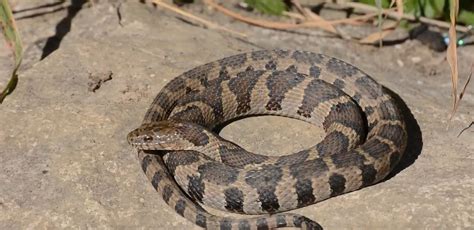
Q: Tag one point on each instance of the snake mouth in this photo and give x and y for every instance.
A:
(138, 140)
(143, 141)
(152, 137)
(145, 146)
(166, 135)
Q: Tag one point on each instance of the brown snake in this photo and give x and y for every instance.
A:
(365, 137)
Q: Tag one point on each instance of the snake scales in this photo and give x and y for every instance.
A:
(365, 137)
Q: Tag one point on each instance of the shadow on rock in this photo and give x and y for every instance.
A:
(62, 28)
(414, 139)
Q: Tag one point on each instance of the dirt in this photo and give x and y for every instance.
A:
(65, 162)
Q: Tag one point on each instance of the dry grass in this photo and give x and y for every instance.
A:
(311, 20)
(452, 55)
(12, 37)
(205, 22)
(453, 60)
(386, 29)
(306, 19)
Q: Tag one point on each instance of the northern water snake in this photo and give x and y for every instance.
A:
(365, 137)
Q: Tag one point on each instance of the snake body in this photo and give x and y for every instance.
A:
(365, 137)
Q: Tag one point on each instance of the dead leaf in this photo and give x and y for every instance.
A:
(451, 55)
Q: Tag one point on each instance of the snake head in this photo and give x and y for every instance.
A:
(168, 135)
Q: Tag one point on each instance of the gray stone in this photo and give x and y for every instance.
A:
(65, 162)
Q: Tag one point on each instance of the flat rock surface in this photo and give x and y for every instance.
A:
(65, 162)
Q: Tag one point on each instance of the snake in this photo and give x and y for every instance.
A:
(192, 167)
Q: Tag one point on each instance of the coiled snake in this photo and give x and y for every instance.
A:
(365, 137)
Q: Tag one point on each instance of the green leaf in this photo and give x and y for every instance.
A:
(385, 3)
(412, 7)
(405, 24)
(274, 7)
(12, 37)
(466, 17)
(432, 8)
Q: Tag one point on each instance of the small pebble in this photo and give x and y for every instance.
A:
(416, 59)
(400, 63)
(244, 6)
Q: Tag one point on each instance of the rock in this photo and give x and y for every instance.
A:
(65, 162)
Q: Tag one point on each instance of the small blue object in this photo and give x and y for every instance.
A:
(461, 39)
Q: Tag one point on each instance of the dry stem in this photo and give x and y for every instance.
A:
(195, 18)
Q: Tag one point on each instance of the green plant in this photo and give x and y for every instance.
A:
(436, 9)
(274, 7)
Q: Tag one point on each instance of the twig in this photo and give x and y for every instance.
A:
(314, 17)
(463, 91)
(461, 94)
(193, 17)
(462, 29)
(469, 126)
(294, 15)
(353, 19)
(298, 6)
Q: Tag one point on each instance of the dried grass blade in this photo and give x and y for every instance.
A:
(384, 30)
(298, 6)
(12, 37)
(452, 54)
(354, 20)
(195, 18)
(294, 15)
(399, 8)
(377, 36)
(264, 23)
(326, 24)
(378, 3)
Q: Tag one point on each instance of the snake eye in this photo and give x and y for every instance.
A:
(147, 138)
